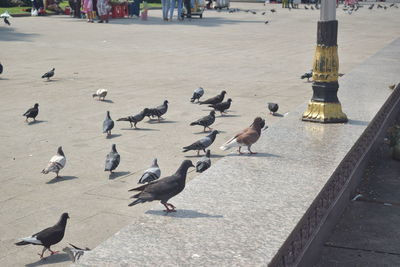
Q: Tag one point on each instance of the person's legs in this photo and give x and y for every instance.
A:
(164, 9)
(136, 9)
(171, 8)
(179, 9)
(188, 8)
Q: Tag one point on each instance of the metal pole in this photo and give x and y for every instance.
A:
(324, 105)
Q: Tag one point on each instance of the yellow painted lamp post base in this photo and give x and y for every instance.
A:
(324, 112)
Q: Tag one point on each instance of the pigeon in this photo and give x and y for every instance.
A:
(151, 174)
(75, 252)
(159, 111)
(202, 144)
(253, 12)
(371, 6)
(1, 68)
(56, 163)
(305, 7)
(222, 107)
(311, 7)
(247, 137)
(135, 119)
(108, 124)
(273, 10)
(47, 237)
(379, 6)
(263, 13)
(32, 113)
(49, 74)
(112, 160)
(340, 74)
(163, 189)
(6, 21)
(5, 16)
(316, 6)
(273, 107)
(214, 100)
(307, 75)
(205, 121)
(392, 86)
(101, 93)
(266, 22)
(204, 163)
(391, 5)
(384, 7)
(199, 92)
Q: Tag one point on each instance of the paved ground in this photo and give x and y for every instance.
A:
(141, 63)
(367, 234)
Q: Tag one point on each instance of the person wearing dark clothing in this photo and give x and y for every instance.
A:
(188, 7)
(77, 8)
(134, 8)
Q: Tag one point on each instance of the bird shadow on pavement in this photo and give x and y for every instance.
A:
(107, 101)
(208, 132)
(115, 175)
(278, 115)
(259, 154)
(358, 122)
(162, 121)
(113, 136)
(184, 214)
(56, 258)
(61, 179)
(228, 116)
(36, 122)
(139, 129)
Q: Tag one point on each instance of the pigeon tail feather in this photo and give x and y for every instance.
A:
(231, 143)
(29, 240)
(137, 201)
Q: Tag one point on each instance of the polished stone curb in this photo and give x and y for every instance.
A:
(241, 211)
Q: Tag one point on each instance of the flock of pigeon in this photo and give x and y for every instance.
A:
(152, 186)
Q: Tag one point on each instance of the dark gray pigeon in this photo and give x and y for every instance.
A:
(48, 236)
(32, 113)
(158, 111)
(1, 68)
(223, 106)
(202, 144)
(108, 124)
(112, 160)
(135, 119)
(273, 107)
(214, 100)
(204, 163)
(163, 189)
(151, 174)
(199, 92)
(49, 74)
(206, 121)
(6, 21)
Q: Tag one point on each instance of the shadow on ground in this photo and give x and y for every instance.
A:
(181, 213)
(61, 179)
(57, 258)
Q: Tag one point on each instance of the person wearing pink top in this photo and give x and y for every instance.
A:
(88, 8)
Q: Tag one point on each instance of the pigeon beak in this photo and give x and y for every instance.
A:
(265, 128)
(191, 165)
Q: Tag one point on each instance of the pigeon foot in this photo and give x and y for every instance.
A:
(54, 252)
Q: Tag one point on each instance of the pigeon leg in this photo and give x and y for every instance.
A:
(251, 152)
(210, 130)
(135, 125)
(240, 151)
(170, 205)
(131, 124)
(53, 252)
(204, 130)
(198, 152)
(26, 120)
(57, 175)
(41, 254)
(167, 208)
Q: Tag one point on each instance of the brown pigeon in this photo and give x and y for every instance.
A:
(247, 137)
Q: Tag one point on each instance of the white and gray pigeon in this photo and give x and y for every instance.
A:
(101, 94)
(56, 163)
(108, 124)
(151, 174)
(75, 252)
(49, 74)
(199, 92)
(112, 159)
(204, 163)
(203, 143)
